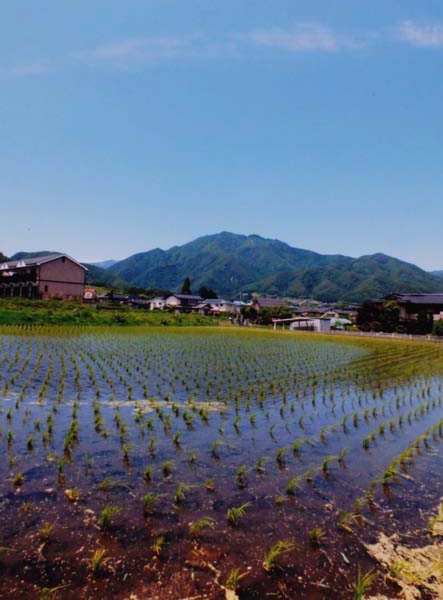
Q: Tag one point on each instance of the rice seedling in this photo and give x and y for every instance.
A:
(275, 552)
(241, 476)
(363, 583)
(293, 484)
(347, 521)
(181, 491)
(214, 448)
(98, 560)
(280, 456)
(195, 527)
(235, 513)
(72, 494)
(51, 593)
(46, 530)
(316, 535)
(18, 479)
(326, 461)
(167, 467)
(147, 474)
(209, 484)
(158, 545)
(106, 516)
(149, 503)
(342, 454)
(233, 579)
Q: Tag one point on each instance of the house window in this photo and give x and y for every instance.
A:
(46, 288)
(63, 258)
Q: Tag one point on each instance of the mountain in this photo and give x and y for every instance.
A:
(231, 263)
(22, 255)
(96, 276)
(105, 264)
(437, 273)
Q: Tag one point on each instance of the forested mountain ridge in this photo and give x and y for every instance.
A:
(232, 263)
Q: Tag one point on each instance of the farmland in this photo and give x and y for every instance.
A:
(211, 462)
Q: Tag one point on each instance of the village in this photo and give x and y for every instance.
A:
(61, 277)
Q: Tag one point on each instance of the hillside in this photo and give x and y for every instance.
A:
(105, 264)
(437, 273)
(231, 263)
(101, 277)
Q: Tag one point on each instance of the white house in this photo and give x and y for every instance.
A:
(318, 324)
(217, 306)
(158, 303)
(182, 302)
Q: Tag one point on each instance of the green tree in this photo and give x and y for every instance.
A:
(390, 317)
(266, 315)
(186, 287)
(206, 293)
(248, 312)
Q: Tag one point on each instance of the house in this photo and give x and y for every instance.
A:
(182, 302)
(216, 306)
(158, 303)
(266, 302)
(50, 276)
(139, 302)
(413, 305)
(320, 324)
(89, 295)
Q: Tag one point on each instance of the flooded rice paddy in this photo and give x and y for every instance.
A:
(211, 463)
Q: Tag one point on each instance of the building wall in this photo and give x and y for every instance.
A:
(64, 280)
(158, 304)
(172, 301)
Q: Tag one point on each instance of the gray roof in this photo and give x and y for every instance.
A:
(418, 298)
(35, 261)
(264, 301)
(186, 297)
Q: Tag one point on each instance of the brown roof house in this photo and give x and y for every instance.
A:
(266, 302)
(50, 276)
(411, 305)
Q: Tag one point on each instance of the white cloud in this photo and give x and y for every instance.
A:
(303, 38)
(145, 49)
(422, 35)
(308, 37)
(24, 70)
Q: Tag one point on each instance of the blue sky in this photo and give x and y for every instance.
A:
(146, 123)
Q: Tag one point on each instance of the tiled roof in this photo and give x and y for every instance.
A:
(35, 261)
(266, 302)
(186, 297)
(418, 298)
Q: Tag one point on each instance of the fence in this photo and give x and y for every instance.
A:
(395, 336)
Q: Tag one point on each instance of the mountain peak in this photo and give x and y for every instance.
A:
(232, 263)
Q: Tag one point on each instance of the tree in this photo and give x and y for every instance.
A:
(390, 317)
(266, 314)
(186, 287)
(206, 293)
(368, 316)
(248, 312)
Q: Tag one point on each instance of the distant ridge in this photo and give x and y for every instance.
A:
(105, 264)
(232, 263)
